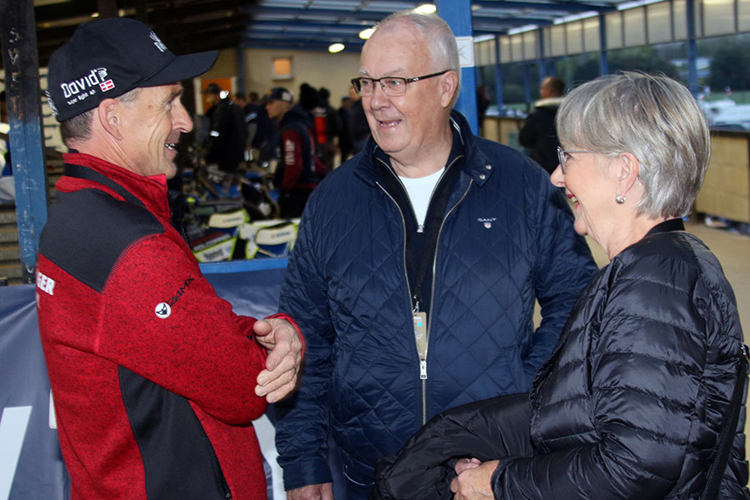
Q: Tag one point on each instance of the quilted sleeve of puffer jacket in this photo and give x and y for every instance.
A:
(632, 403)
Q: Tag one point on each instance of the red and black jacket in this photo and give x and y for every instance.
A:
(298, 167)
(152, 374)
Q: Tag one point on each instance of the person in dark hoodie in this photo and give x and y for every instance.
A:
(538, 133)
(227, 136)
(296, 173)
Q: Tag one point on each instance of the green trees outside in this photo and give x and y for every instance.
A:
(724, 63)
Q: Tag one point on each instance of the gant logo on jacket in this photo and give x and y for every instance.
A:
(487, 222)
(163, 310)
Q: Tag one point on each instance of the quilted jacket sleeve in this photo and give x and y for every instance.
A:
(645, 369)
(302, 429)
(563, 267)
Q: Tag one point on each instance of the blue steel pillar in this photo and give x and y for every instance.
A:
(692, 49)
(542, 64)
(240, 70)
(457, 13)
(527, 84)
(603, 57)
(498, 77)
(18, 41)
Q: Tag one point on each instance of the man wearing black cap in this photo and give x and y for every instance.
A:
(298, 170)
(155, 380)
(227, 138)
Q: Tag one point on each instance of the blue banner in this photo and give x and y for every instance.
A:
(31, 465)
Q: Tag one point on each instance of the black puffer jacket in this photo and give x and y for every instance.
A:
(632, 401)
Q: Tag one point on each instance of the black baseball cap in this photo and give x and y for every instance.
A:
(280, 94)
(110, 57)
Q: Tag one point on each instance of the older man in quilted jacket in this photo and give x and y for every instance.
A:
(416, 270)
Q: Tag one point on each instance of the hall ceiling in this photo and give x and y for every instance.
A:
(197, 25)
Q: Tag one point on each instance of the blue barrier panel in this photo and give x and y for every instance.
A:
(31, 466)
(252, 292)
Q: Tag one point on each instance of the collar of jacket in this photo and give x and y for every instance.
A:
(551, 102)
(149, 190)
(295, 114)
(477, 166)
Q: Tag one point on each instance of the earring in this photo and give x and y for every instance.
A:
(620, 199)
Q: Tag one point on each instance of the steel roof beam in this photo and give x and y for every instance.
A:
(309, 46)
(546, 6)
(372, 16)
(267, 24)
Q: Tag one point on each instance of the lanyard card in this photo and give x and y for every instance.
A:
(420, 333)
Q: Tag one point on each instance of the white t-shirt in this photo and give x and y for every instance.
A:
(420, 192)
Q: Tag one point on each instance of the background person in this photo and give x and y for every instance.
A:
(298, 171)
(429, 227)
(327, 129)
(637, 392)
(538, 133)
(156, 382)
(227, 137)
(345, 137)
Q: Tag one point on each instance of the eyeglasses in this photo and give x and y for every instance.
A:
(392, 86)
(563, 156)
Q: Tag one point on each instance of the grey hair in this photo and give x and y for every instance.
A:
(654, 118)
(78, 128)
(440, 40)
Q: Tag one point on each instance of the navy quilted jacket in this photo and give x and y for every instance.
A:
(507, 239)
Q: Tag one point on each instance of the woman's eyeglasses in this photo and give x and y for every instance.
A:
(563, 156)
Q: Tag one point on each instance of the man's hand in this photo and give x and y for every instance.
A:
(284, 348)
(312, 492)
(474, 481)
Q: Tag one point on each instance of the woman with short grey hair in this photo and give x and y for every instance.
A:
(654, 118)
(649, 370)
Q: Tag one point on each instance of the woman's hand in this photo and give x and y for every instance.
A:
(474, 481)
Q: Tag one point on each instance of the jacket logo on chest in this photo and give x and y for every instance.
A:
(163, 310)
(487, 222)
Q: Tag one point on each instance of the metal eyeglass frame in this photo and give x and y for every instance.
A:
(562, 159)
(357, 83)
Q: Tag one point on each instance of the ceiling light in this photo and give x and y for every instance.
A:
(336, 47)
(366, 33)
(426, 8)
